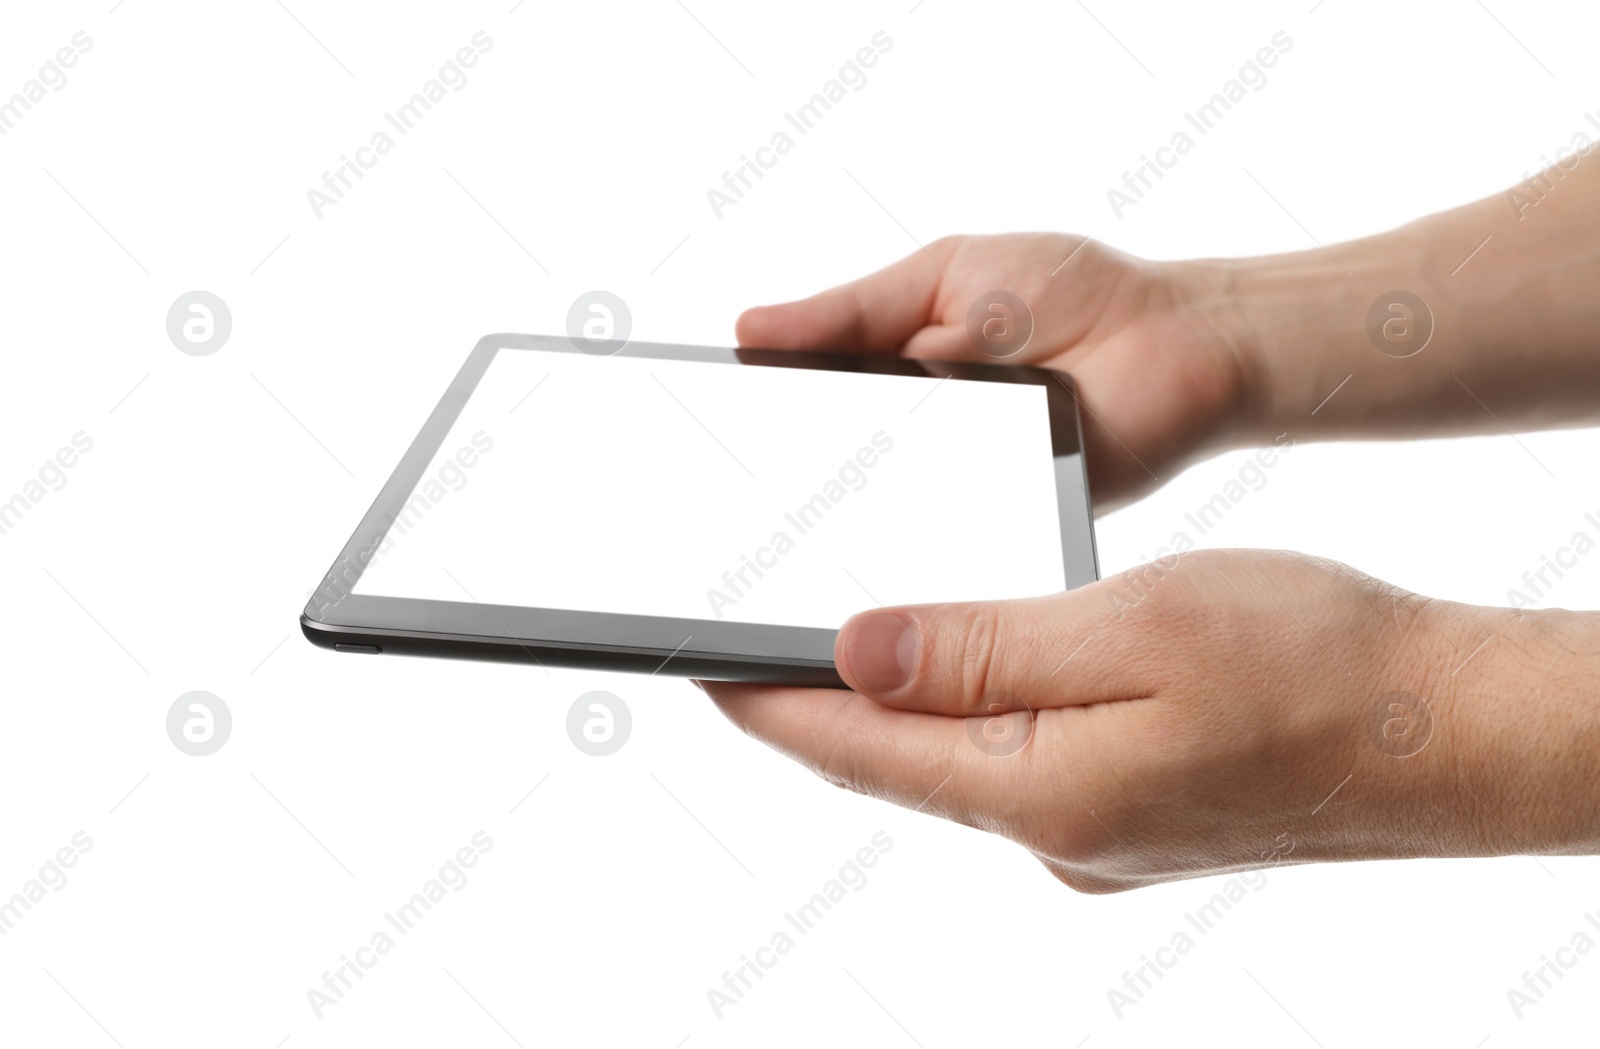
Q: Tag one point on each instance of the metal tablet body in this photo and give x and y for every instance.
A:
(649, 509)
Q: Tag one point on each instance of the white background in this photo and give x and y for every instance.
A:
(180, 552)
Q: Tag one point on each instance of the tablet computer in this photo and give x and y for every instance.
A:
(705, 512)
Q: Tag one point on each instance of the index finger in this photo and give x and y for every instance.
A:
(878, 313)
(925, 762)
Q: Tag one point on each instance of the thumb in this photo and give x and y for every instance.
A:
(976, 658)
(878, 313)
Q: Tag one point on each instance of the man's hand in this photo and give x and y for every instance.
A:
(1221, 711)
(1157, 369)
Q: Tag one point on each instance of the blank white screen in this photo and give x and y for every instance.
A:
(715, 491)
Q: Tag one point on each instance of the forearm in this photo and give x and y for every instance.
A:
(1515, 699)
(1513, 289)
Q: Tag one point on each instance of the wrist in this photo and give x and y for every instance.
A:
(1211, 299)
(1298, 324)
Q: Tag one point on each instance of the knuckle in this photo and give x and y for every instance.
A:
(967, 639)
(1089, 885)
(839, 763)
(839, 769)
(1094, 249)
(1079, 880)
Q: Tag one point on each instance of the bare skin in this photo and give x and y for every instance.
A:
(1247, 708)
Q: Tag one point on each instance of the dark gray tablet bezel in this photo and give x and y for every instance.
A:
(335, 617)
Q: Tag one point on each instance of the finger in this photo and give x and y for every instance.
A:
(943, 342)
(875, 314)
(974, 658)
(920, 761)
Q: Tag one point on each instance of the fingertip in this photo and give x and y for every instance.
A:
(877, 652)
(740, 702)
(944, 342)
(718, 691)
(750, 330)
